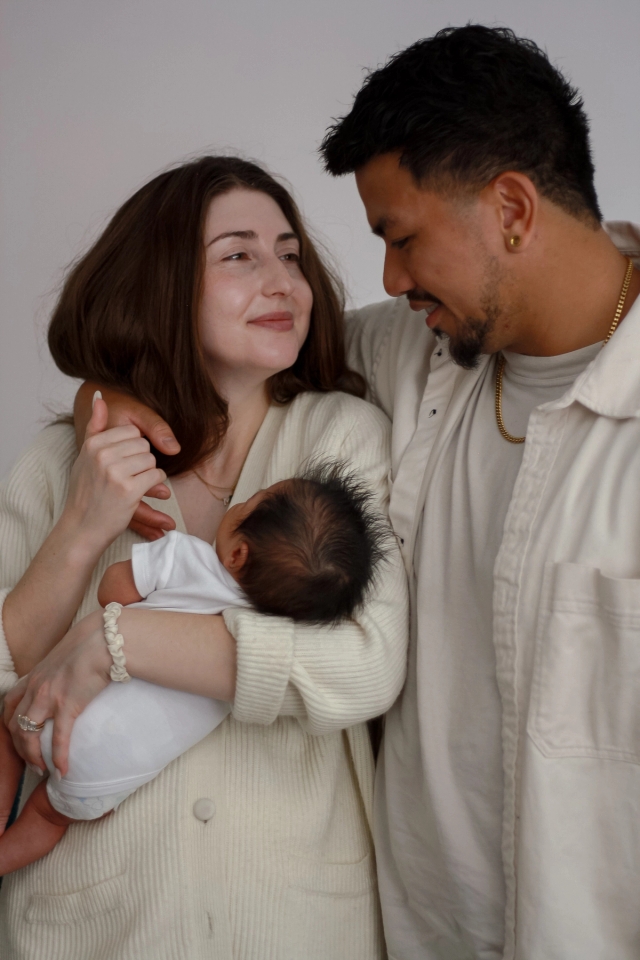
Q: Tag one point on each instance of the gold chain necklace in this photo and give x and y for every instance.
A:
(226, 500)
(500, 364)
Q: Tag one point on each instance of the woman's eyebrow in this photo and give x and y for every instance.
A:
(242, 234)
(251, 235)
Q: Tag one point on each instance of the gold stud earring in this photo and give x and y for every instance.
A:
(515, 241)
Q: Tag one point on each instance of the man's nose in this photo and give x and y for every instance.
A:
(395, 278)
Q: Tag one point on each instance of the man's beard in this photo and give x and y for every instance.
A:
(470, 339)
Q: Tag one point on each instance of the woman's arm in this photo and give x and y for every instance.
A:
(331, 677)
(184, 651)
(112, 472)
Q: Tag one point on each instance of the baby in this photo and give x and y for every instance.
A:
(305, 548)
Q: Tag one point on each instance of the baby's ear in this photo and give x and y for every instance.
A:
(237, 557)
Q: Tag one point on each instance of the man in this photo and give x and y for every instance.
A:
(508, 787)
(509, 781)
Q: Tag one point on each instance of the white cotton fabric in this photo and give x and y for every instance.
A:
(183, 574)
(131, 731)
(284, 867)
(562, 742)
(462, 523)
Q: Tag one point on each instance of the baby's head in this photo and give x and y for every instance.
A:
(305, 548)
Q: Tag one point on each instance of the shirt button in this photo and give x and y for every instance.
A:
(204, 809)
(432, 413)
(439, 353)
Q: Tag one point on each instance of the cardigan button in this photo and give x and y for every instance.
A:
(204, 809)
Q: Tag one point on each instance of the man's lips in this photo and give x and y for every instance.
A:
(279, 320)
(430, 307)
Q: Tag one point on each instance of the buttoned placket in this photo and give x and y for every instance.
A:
(544, 435)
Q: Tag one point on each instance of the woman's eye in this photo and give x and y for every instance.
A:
(291, 257)
(235, 256)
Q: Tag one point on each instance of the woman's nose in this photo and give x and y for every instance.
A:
(277, 279)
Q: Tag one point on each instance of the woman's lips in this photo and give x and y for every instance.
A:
(282, 320)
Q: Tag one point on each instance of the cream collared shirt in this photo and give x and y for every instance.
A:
(566, 639)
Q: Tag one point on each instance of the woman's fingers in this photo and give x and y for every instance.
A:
(99, 416)
(62, 726)
(27, 743)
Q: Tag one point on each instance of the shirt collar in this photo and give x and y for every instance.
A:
(610, 385)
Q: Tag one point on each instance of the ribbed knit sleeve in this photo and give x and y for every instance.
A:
(331, 677)
(28, 500)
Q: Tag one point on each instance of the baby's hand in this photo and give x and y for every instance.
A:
(118, 585)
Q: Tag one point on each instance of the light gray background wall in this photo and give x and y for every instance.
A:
(98, 95)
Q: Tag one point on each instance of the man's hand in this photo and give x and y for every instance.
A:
(125, 411)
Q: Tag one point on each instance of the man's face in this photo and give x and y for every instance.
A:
(444, 254)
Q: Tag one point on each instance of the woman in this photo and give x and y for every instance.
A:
(205, 299)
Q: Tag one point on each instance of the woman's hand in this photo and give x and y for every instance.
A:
(60, 686)
(125, 411)
(114, 470)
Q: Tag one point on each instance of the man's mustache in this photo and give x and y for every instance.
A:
(417, 295)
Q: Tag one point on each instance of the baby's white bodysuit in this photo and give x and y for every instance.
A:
(131, 731)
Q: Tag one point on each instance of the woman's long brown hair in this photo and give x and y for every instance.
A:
(127, 316)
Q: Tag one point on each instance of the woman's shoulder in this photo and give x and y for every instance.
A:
(50, 455)
(329, 426)
(341, 410)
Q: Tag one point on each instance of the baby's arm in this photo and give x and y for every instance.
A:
(118, 585)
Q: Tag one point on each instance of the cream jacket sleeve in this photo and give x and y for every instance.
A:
(331, 677)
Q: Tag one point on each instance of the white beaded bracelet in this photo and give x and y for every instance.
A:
(115, 642)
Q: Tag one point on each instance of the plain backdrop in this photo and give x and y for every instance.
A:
(98, 95)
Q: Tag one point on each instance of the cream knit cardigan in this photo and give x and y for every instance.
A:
(284, 868)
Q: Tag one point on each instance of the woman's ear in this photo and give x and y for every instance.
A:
(237, 557)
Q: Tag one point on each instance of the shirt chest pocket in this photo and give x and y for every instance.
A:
(585, 698)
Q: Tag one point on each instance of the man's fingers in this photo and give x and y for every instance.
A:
(149, 533)
(145, 516)
(156, 429)
(159, 492)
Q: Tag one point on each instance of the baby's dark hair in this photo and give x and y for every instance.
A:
(314, 546)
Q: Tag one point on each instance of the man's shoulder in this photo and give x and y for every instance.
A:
(383, 340)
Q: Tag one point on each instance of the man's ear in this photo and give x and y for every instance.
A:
(237, 557)
(516, 200)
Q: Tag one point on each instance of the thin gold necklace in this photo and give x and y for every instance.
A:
(500, 364)
(226, 500)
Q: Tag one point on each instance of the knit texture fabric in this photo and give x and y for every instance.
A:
(283, 869)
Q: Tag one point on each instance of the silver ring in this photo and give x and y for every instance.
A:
(29, 725)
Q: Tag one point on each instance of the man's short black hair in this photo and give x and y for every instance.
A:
(464, 106)
(314, 546)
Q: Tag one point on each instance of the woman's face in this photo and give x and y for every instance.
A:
(256, 303)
